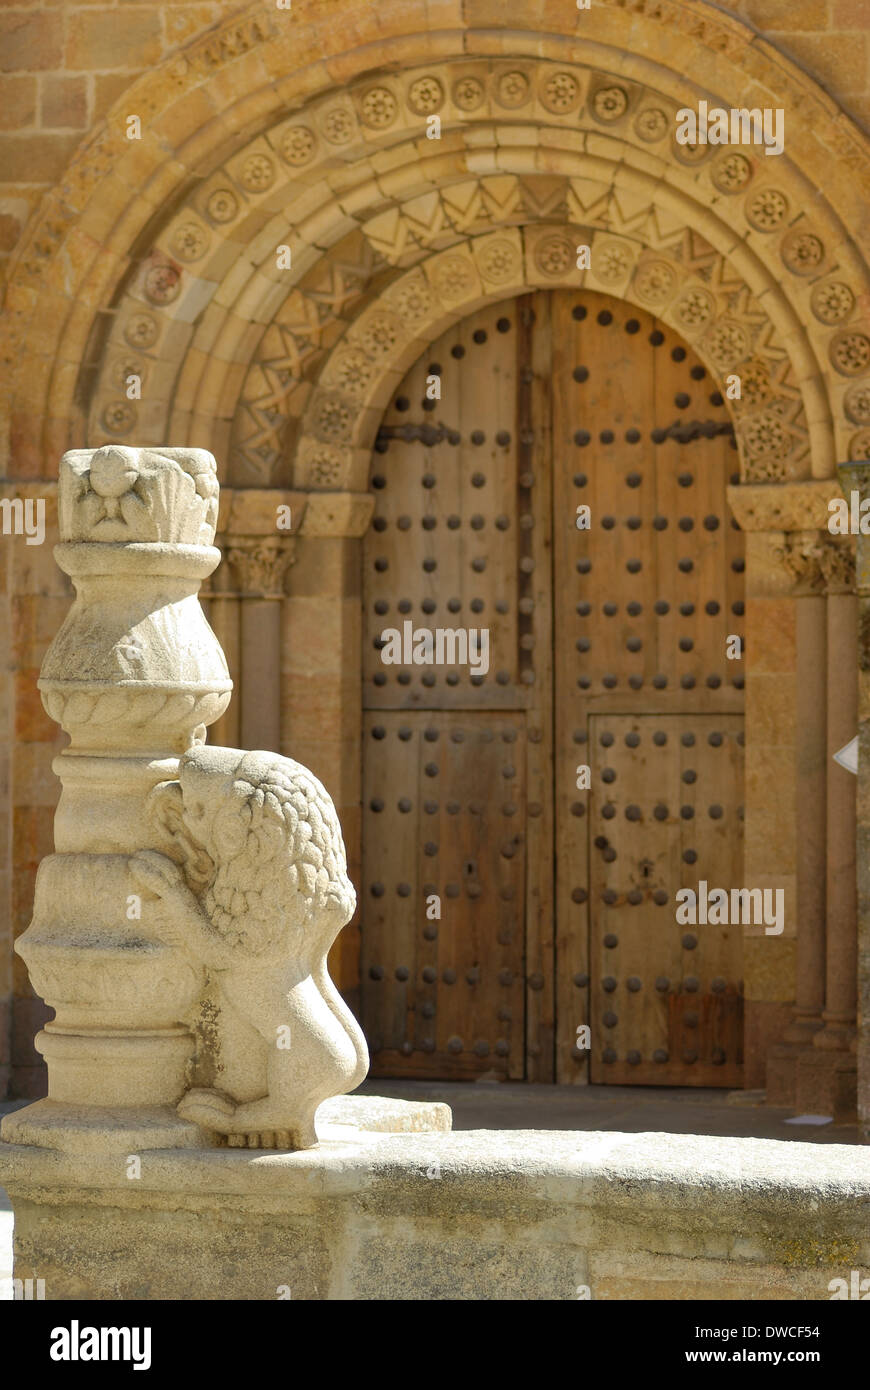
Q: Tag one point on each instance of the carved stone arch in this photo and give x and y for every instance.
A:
(353, 386)
(629, 216)
(609, 111)
(813, 306)
(626, 205)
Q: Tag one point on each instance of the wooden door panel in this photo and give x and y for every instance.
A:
(604, 395)
(535, 604)
(665, 811)
(454, 762)
(643, 603)
(644, 598)
(445, 546)
(443, 815)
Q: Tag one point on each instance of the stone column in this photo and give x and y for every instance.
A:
(321, 677)
(260, 565)
(826, 1073)
(811, 832)
(857, 476)
(256, 534)
(133, 676)
(221, 607)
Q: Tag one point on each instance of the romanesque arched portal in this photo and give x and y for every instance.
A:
(543, 794)
(285, 240)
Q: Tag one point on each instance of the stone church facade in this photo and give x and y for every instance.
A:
(252, 213)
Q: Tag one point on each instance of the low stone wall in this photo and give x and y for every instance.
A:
(477, 1215)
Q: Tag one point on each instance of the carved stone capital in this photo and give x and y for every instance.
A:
(259, 565)
(818, 562)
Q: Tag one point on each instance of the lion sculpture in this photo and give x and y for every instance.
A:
(258, 898)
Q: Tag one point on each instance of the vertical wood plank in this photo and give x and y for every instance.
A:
(534, 517)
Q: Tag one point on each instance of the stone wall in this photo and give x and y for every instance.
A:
(34, 598)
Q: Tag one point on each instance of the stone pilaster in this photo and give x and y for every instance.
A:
(826, 1071)
(857, 476)
(811, 833)
(801, 1070)
(798, 572)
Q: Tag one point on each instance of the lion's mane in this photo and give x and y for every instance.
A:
(276, 841)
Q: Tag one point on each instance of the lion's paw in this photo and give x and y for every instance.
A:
(262, 1139)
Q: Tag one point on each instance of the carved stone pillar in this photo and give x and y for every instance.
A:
(800, 554)
(255, 530)
(133, 676)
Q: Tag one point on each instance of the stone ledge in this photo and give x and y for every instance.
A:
(579, 1165)
(90, 1131)
(476, 1215)
(381, 1114)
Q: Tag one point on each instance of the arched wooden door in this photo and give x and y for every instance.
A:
(503, 908)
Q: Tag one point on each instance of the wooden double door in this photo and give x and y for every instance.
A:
(532, 807)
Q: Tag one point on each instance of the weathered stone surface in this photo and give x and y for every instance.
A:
(381, 1114)
(476, 1215)
(264, 894)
